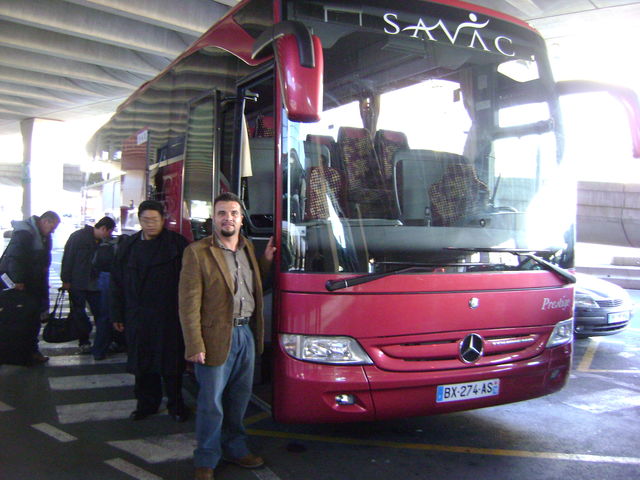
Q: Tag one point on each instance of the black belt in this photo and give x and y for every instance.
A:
(238, 322)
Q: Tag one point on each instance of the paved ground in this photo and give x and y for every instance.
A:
(69, 420)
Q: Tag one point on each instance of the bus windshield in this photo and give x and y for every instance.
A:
(440, 145)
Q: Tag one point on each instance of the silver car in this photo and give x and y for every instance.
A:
(600, 308)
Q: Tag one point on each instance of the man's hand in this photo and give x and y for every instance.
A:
(270, 250)
(19, 286)
(119, 326)
(66, 286)
(197, 358)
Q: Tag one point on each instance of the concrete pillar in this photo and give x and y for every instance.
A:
(43, 166)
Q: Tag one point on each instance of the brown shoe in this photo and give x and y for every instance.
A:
(248, 461)
(204, 473)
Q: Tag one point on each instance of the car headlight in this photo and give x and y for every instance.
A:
(583, 300)
(334, 350)
(562, 333)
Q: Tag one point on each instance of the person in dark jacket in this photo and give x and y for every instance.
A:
(26, 262)
(144, 304)
(107, 339)
(80, 278)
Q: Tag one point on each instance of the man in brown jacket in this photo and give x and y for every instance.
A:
(220, 299)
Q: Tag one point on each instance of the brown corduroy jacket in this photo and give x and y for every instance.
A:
(206, 300)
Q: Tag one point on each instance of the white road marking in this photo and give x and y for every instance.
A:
(79, 382)
(95, 411)
(54, 432)
(5, 408)
(606, 400)
(131, 469)
(73, 360)
(53, 346)
(159, 449)
(265, 473)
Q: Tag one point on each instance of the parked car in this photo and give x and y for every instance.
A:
(600, 307)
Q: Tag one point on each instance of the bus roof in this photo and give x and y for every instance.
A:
(227, 34)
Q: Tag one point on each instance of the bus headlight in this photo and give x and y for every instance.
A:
(562, 333)
(333, 350)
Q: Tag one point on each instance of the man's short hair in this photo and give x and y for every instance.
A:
(151, 205)
(50, 216)
(228, 197)
(106, 222)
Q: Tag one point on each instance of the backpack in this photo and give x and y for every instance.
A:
(105, 254)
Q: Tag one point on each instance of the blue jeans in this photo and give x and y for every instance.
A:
(223, 397)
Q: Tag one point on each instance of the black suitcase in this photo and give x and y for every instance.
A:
(19, 324)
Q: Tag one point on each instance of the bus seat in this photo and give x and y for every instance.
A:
(294, 171)
(414, 171)
(265, 127)
(316, 155)
(457, 195)
(328, 141)
(367, 195)
(259, 186)
(325, 188)
(387, 143)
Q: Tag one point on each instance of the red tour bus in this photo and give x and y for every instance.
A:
(408, 158)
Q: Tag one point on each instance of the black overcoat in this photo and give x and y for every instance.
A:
(145, 300)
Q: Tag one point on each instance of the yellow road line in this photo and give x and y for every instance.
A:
(256, 418)
(587, 358)
(449, 448)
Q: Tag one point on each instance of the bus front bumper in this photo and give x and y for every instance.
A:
(305, 392)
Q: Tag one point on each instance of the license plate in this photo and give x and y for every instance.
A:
(467, 391)
(618, 317)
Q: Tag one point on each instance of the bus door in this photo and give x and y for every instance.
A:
(199, 162)
(248, 128)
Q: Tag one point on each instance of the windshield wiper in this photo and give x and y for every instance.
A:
(339, 284)
(521, 252)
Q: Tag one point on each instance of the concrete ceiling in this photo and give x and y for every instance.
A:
(68, 59)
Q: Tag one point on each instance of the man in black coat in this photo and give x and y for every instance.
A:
(80, 278)
(144, 304)
(26, 262)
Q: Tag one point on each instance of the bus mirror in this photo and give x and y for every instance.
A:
(301, 86)
(300, 67)
(627, 98)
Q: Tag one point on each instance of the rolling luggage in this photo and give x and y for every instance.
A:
(19, 324)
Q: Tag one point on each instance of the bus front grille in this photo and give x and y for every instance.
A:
(443, 351)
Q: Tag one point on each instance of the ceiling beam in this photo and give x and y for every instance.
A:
(169, 14)
(77, 21)
(68, 68)
(59, 84)
(57, 45)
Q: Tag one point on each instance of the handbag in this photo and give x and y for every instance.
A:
(60, 328)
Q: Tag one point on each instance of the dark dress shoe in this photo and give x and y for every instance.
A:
(38, 359)
(140, 415)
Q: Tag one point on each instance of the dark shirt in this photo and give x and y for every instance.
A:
(240, 269)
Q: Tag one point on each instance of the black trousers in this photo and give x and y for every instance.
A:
(148, 392)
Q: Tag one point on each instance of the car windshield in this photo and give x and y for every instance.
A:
(426, 142)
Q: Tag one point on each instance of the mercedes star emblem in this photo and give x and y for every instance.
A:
(471, 348)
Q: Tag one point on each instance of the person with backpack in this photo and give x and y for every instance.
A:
(80, 278)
